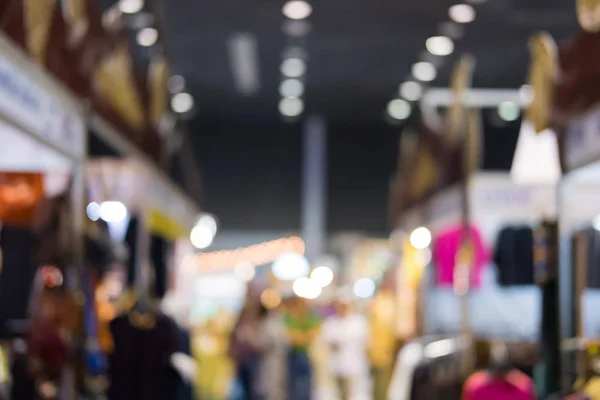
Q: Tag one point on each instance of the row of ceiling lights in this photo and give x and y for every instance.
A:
(293, 65)
(424, 72)
(181, 101)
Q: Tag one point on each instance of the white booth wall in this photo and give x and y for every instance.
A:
(494, 310)
(579, 207)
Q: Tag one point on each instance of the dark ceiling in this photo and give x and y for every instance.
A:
(359, 52)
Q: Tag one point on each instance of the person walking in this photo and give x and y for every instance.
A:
(243, 349)
(273, 346)
(302, 326)
(346, 333)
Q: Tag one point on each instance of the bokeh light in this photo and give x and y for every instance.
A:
(93, 211)
(297, 9)
(201, 237)
(322, 276)
(420, 238)
(364, 288)
(306, 288)
(113, 211)
(290, 266)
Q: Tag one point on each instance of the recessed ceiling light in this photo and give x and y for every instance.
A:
(424, 71)
(131, 6)
(147, 37)
(291, 88)
(293, 67)
(297, 9)
(509, 111)
(462, 13)
(176, 84)
(440, 45)
(399, 109)
(411, 91)
(182, 102)
(291, 106)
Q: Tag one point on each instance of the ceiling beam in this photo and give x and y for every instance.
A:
(443, 97)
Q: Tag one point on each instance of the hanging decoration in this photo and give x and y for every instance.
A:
(543, 73)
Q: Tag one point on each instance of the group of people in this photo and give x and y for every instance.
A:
(271, 349)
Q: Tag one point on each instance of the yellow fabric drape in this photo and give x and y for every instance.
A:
(4, 367)
(382, 324)
(543, 72)
(407, 300)
(115, 82)
(164, 226)
(159, 74)
(38, 20)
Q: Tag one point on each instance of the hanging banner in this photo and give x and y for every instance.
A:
(159, 74)
(38, 111)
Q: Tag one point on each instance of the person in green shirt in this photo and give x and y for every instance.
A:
(302, 326)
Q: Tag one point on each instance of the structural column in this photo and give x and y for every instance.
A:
(314, 186)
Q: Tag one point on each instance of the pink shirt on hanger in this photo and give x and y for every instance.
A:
(445, 249)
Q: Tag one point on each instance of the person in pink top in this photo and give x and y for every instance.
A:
(445, 249)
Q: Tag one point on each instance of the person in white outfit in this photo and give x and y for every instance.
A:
(346, 334)
(273, 346)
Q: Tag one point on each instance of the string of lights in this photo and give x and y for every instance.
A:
(256, 255)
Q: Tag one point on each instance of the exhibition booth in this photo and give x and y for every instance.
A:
(42, 191)
(54, 259)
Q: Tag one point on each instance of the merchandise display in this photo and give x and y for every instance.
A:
(446, 246)
(115, 284)
(514, 256)
(512, 385)
(136, 372)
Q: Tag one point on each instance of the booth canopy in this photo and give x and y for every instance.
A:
(166, 209)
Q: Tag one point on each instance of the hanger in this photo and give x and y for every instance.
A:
(499, 360)
(142, 314)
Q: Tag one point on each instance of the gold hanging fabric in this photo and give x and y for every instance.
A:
(159, 74)
(588, 14)
(456, 114)
(473, 142)
(425, 175)
(38, 20)
(115, 82)
(543, 72)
